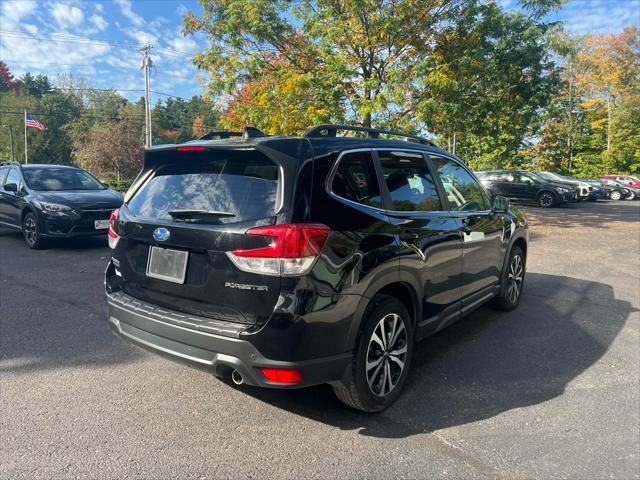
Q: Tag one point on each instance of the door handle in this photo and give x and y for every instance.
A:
(408, 236)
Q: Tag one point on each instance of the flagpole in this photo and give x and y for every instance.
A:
(26, 157)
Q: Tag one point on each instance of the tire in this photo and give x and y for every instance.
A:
(546, 199)
(31, 232)
(374, 389)
(632, 196)
(510, 287)
(615, 195)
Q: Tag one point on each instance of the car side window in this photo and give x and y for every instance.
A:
(355, 179)
(3, 173)
(409, 181)
(14, 177)
(463, 191)
(522, 178)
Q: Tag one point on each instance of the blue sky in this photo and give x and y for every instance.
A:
(97, 39)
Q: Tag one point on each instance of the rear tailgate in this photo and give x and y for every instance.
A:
(237, 190)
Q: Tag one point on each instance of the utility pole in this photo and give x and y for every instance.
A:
(146, 65)
(10, 127)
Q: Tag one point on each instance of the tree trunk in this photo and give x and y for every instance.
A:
(608, 124)
(367, 120)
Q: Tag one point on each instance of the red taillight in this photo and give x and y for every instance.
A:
(111, 233)
(292, 250)
(193, 148)
(282, 375)
(114, 216)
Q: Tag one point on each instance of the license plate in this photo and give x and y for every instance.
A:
(167, 264)
(101, 224)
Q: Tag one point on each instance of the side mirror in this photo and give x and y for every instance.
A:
(10, 187)
(500, 204)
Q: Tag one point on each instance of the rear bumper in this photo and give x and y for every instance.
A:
(216, 346)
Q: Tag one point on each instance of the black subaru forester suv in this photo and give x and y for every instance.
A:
(289, 262)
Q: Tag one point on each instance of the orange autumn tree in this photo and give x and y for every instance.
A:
(282, 102)
(198, 128)
(608, 69)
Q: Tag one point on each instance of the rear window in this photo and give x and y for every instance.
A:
(239, 185)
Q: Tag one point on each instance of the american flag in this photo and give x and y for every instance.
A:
(31, 122)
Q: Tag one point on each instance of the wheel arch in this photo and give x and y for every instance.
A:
(400, 290)
(24, 212)
(520, 242)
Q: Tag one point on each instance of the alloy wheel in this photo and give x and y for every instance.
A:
(516, 275)
(386, 355)
(615, 195)
(30, 230)
(546, 200)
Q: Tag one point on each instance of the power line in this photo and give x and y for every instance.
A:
(90, 89)
(87, 41)
(94, 116)
(49, 63)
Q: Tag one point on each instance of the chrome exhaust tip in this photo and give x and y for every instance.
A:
(236, 377)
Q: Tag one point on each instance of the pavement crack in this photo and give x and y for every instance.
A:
(458, 453)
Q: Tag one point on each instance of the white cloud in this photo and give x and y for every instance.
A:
(183, 44)
(598, 16)
(12, 11)
(27, 52)
(141, 36)
(182, 10)
(127, 11)
(32, 29)
(99, 22)
(66, 15)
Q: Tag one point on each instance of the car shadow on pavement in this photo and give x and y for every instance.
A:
(80, 243)
(486, 364)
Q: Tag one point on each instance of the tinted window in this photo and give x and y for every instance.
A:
(242, 184)
(3, 173)
(523, 178)
(494, 176)
(14, 177)
(51, 178)
(463, 191)
(411, 186)
(355, 179)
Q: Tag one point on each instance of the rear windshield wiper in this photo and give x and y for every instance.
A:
(199, 215)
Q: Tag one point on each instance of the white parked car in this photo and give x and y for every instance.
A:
(585, 189)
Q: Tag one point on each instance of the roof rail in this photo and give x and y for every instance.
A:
(249, 132)
(330, 130)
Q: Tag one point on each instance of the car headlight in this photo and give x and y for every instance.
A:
(625, 191)
(562, 190)
(54, 207)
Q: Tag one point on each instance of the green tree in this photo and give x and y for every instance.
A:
(592, 125)
(488, 78)
(363, 53)
(113, 150)
(35, 86)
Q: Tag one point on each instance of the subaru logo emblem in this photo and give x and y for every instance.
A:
(161, 234)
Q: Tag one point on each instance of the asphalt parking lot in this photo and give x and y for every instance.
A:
(550, 390)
